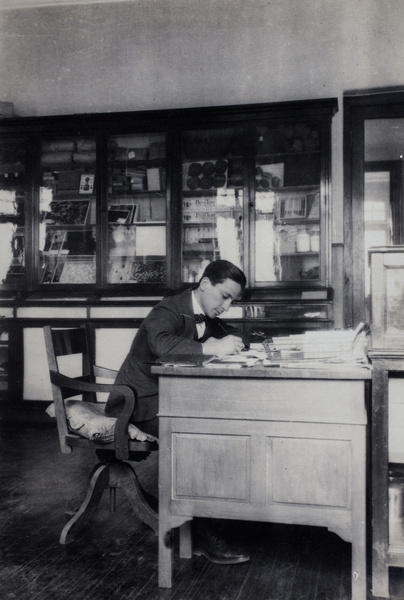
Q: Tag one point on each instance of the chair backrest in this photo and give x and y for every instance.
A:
(62, 343)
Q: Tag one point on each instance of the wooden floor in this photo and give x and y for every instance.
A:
(116, 557)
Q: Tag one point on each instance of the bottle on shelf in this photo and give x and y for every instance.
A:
(315, 238)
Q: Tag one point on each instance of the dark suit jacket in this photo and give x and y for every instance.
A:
(168, 328)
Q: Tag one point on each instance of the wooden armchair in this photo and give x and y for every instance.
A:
(113, 445)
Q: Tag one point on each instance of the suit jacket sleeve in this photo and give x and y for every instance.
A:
(169, 331)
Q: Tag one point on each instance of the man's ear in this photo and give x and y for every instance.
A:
(205, 281)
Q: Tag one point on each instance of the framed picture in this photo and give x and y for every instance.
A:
(57, 242)
(293, 206)
(122, 214)
(86, 183)
(67, 212)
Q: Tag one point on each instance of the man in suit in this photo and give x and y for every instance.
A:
(187, 323)
(170, 328)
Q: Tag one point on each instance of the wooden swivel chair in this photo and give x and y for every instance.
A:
(111, 471)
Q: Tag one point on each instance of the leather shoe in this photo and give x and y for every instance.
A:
(215, 548)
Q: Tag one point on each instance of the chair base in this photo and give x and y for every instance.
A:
(112, 474)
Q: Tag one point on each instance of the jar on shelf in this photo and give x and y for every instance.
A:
(302, 240)
(315, 238)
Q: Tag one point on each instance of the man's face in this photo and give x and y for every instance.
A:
(215, 299)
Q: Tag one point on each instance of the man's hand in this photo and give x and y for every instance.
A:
(230, 344)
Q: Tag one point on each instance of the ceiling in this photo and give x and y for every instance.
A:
(15, 4)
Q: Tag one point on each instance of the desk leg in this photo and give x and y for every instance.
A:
(165, 559)
(359, 578)
(380, 493)
(165, 552)
(358, 524)
(186, 540)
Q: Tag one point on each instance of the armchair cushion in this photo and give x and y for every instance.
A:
(90, 421)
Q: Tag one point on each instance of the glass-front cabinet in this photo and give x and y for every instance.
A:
(103, 210)
(257, 193)
(143, 201)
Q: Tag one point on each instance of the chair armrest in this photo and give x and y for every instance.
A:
(105, 372)
(121, 437)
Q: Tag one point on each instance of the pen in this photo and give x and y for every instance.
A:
(222, 327)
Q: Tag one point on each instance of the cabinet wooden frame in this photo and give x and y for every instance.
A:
(358, 108)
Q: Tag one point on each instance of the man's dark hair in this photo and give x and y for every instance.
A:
(219, 270)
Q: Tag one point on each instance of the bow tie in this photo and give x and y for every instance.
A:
(201, 318)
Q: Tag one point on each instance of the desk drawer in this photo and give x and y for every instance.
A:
(305, 400)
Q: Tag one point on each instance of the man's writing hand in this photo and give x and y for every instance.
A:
(230, 344)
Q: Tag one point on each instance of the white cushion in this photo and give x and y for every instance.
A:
(90, 421)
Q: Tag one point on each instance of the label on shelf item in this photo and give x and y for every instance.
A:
(198, 203)
(199, 217)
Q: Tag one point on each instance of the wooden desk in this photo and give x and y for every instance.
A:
(263, 444)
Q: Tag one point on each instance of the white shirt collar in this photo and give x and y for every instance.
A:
(195, 305)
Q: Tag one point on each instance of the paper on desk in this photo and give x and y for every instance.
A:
(234, 361)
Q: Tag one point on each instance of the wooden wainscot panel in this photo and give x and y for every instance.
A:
(52, 312)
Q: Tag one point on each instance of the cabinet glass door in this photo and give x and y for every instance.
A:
(137, 205)
(214, 178)
(287, 217)
(12, 211)
(67, 234)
